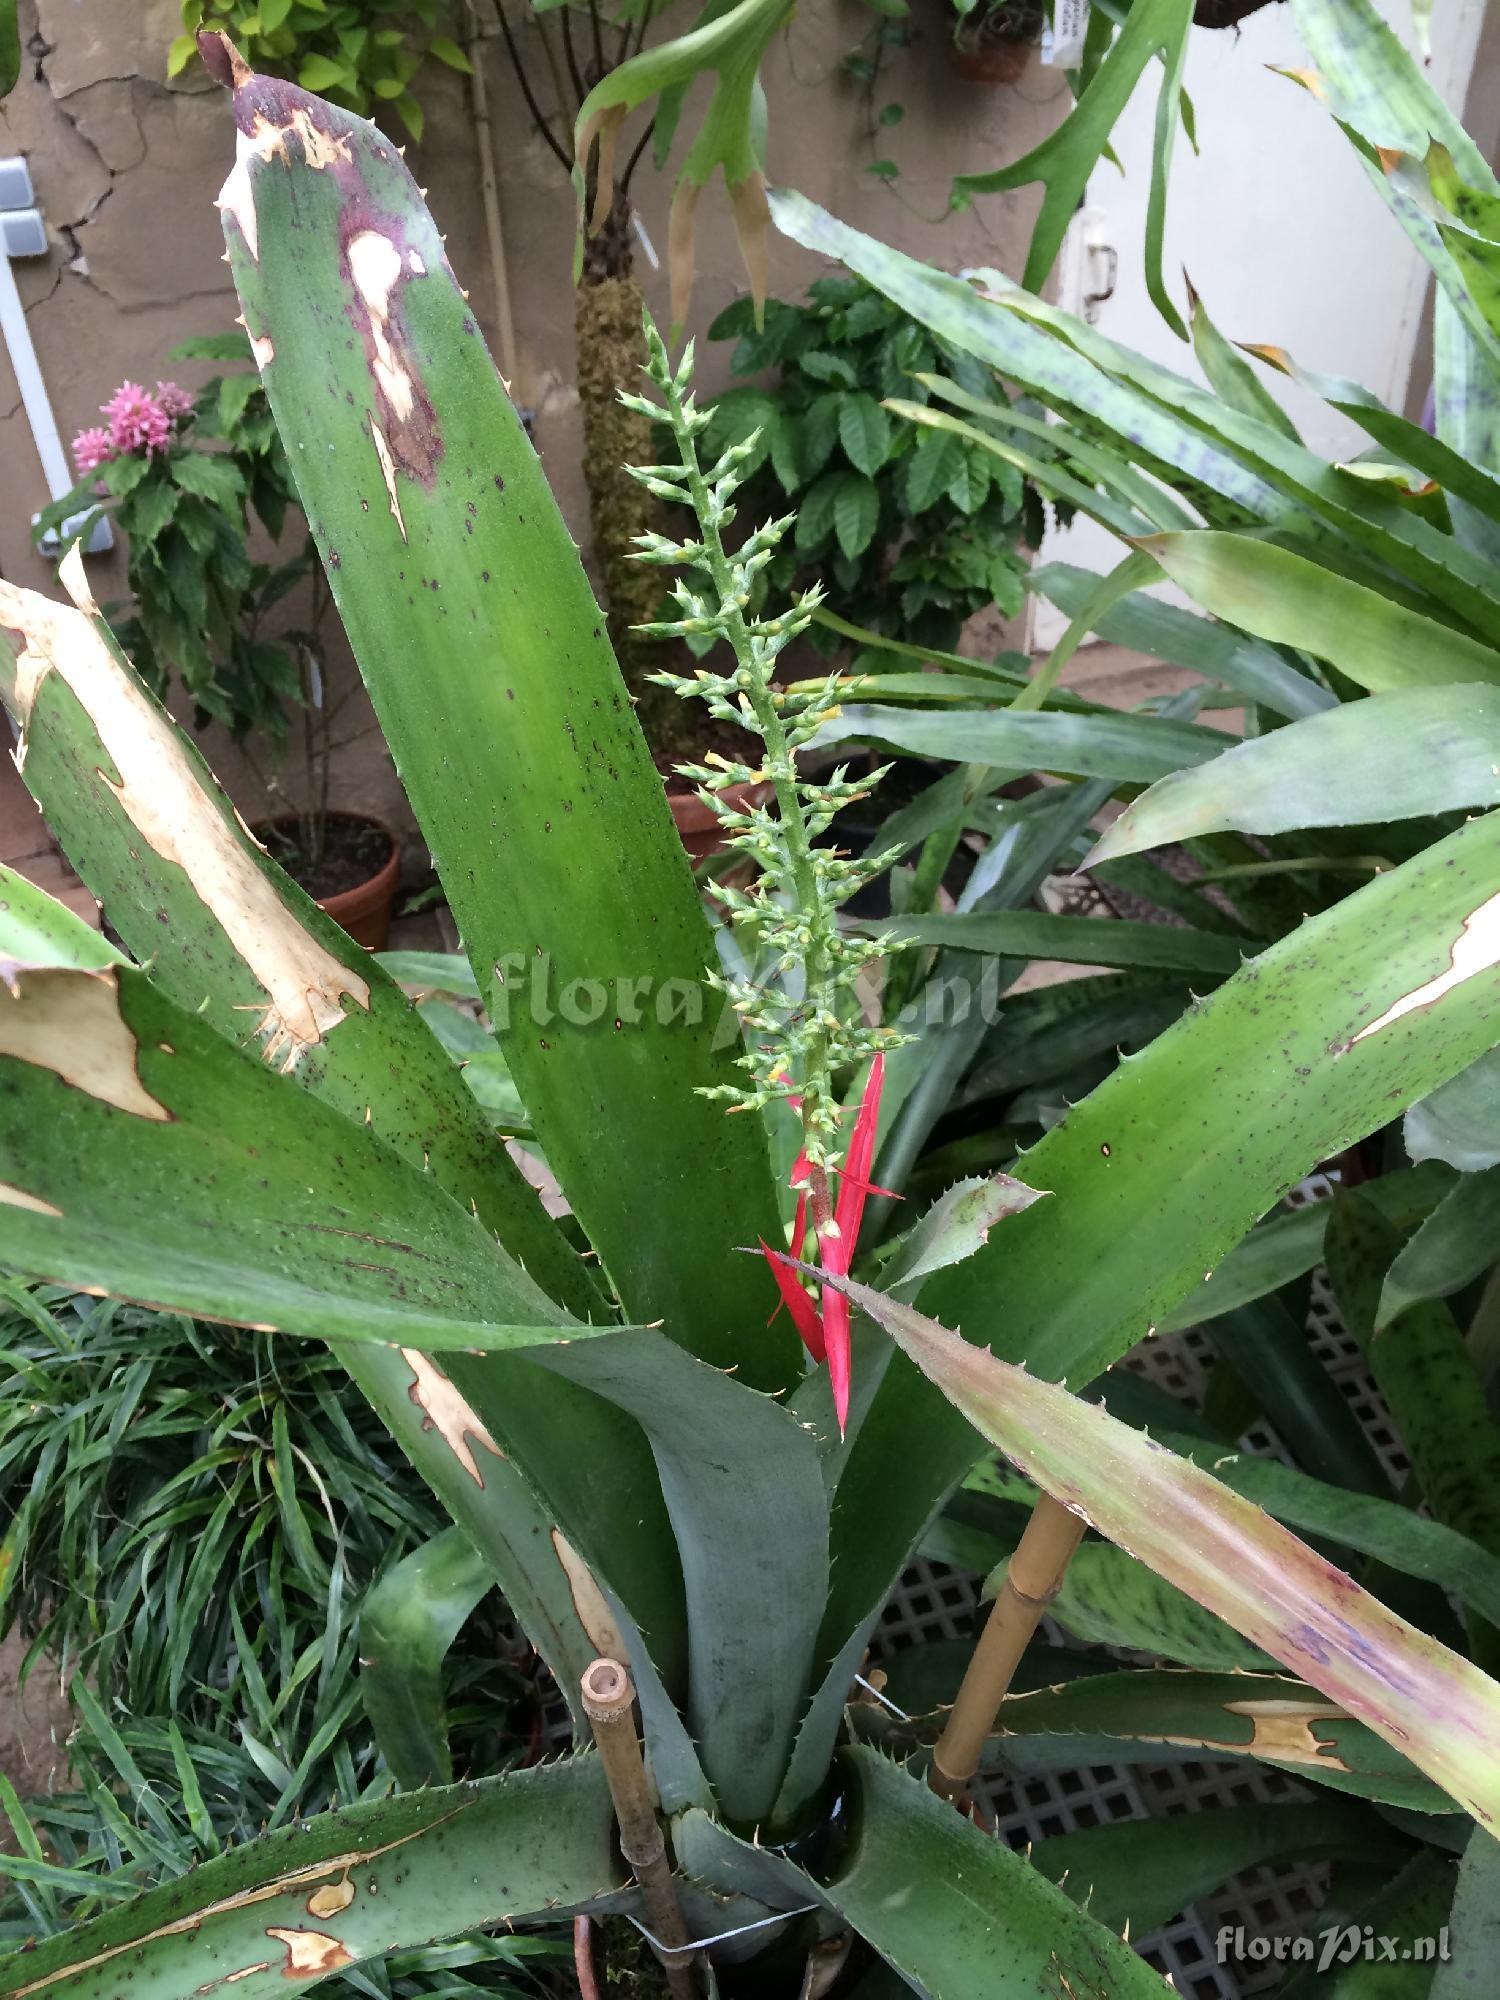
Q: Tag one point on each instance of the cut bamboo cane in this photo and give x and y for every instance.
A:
(489, 187)
(609, 1704)
(1032, 1580)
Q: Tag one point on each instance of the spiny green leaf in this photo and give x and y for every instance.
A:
(349, 1886)
(1144, 1872)
(1431, 1704)
(143, 1169)
(986, 1921)
(1143, 1715)
(488, 664)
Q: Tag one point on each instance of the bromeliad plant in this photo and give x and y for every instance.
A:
(244, 1119)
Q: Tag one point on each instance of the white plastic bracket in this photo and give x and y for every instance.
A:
(24, 234)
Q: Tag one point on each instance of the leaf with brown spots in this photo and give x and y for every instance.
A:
(347, 1886)
(377, 1065)
(468, 610)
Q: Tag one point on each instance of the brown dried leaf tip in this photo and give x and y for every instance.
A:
(222, 59)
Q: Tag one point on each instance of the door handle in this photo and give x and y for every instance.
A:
(1103, 274)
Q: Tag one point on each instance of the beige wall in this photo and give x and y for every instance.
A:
(126, 169)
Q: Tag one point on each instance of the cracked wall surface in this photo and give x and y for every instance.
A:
(126, 168)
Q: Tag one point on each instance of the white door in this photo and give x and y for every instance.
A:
(1275, 223)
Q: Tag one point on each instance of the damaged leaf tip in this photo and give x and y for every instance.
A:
(222, 59)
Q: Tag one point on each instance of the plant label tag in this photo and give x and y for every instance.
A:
(1062, 38)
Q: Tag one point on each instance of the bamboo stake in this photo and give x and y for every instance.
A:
(484, 140)
(609, 1703)
(1033, 1579)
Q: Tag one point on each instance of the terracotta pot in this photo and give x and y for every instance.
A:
(992, 63)
(365, 910)
(696, 824)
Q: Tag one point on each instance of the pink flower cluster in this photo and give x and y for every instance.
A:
(138, 422)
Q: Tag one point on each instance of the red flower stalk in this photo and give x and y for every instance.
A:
(825, 1334)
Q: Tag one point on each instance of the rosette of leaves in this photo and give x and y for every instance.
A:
(360, 53)
(912, 531)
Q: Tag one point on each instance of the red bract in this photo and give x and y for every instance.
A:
(825, 1334)
(854, 1181)
(837, 1252)
(804, 1313)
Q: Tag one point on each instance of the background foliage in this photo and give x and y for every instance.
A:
(365, 54)
(909, 532)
